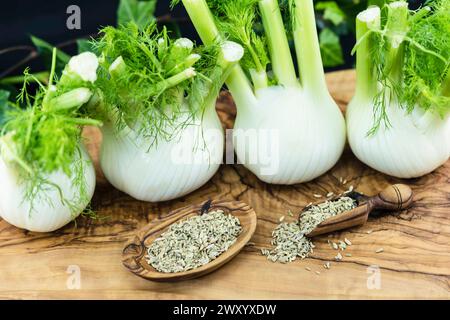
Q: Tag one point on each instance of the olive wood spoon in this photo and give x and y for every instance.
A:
(395, 197)
(135, 251)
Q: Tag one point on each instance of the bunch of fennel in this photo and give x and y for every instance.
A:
(162, 137)
(287, 130)
(47, 178)
(399, 120)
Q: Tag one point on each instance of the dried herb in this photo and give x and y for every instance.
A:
(194, 242)
(289, 239)
(289, 244)
(316, 214)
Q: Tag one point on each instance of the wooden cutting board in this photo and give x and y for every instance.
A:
(84, 261)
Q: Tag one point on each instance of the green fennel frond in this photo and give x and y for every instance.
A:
(236, 20)
(426, 73)
(411, 60)
(150, 82)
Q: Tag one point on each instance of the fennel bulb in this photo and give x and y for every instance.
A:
(395, 130)
(169, 169)
(163, 138)
(47, 178)
(287, 130)
(294, 141)
(52, 208)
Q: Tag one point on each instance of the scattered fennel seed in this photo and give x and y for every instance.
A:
(290, 214)
(281, 219)
(327, 265)
(330, 194)
(317, 195)
(289, 244)
(369, 231)
(193, 242)
(307, 268)
(345, 181)
(340, 180)
(348, 242)
(338, 257)
(289, 240)
(342, 245)
(335, 246)
(350, 189)
(348, 254)
(318, 272)
(380, 250)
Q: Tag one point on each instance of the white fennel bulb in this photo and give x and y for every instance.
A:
(297, 138)
(163, 138)
(168, 169)
(287, 130)
(410, 147)
(387, 134)
(47, 178)
(52, 208)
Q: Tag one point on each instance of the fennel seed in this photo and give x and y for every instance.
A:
(348, 242)
(290, 241)
(193, 242)
(289, 244)
(380, 250)
(316, 214)
(338, 257)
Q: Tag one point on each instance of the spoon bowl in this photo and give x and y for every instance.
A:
(395, 197)
(135, 251)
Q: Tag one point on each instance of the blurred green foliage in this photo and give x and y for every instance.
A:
(335, 21)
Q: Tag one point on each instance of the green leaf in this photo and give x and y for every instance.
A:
(331, 12)
(85, 45)
(45, 50)
(330, 48)
(4, 105)
(139, 12)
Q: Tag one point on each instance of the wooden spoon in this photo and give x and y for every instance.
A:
(135, 251)
(395, 197)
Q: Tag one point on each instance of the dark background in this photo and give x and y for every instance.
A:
(47, 20)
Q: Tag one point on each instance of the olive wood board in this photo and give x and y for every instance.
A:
(84, 261)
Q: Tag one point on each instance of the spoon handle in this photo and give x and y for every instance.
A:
(395, 197)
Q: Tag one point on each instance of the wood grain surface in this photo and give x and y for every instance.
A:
(415, 262)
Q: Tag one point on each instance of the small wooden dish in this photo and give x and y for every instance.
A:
(135, 251)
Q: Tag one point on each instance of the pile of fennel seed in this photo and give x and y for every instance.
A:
(289, 240)
(194, 242)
